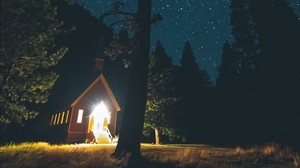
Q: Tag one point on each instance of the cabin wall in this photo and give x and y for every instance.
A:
(58, 126)
(79, 131)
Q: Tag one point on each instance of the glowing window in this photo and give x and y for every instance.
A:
(79, 118)
(67, 116)
(62, 118)
(58, 118)
(55, 119)
(52, 118)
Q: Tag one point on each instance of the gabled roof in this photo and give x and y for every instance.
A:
(107, 88)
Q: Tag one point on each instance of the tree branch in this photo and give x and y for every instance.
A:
(115, 12)
(120, 21)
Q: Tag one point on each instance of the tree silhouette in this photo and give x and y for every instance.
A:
(278, 29)
(27, 53)
(228, 70)
(160, 59)
(258, 74)
(246, 45)
(242, 97)
(192, 86)
(133, 119)
(160, 96)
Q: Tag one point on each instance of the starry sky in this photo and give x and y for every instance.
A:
(204, 23)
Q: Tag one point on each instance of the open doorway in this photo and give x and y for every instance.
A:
(98, 124)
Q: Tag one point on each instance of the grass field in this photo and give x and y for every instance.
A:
(42, 154)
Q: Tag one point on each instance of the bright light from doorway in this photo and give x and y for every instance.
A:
(101, 119)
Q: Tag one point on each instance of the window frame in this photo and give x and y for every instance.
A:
(80, 116)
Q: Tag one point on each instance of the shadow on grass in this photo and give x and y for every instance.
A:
(145, 163)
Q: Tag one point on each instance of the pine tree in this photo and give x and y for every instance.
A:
(28, 29)
(160, 97)
(228, 69)
(278, 29)
(159, 55)
(193, 88)
(241, 58)
(238, 78)
(246, 46)
(190, 67)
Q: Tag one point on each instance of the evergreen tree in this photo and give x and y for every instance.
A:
(160, 97)
(238, 81)
(160, 59)
(278, 29)
(190, 67)
(28, 29)
(228, 70)
(279, 35)
(245, 47)
(193, 89)
(241, 58)
(264, 80)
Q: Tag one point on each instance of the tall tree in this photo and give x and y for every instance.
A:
(246, 46)
(278, 29)
(228, 70)
(160, 60)
(189, 65)
(28, 29)
(264, 32)
(193, 85)
(160, 97)
(239, 82)
(133, 119)
(241, 58)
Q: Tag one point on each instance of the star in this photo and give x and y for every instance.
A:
(204, 23)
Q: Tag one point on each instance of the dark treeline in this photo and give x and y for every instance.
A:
(256, 96)
(259, 76)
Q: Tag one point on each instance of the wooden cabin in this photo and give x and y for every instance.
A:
(92, 117)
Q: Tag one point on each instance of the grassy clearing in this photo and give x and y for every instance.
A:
(84, 155)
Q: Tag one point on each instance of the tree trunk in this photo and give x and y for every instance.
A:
(156, 136)
(133, 118)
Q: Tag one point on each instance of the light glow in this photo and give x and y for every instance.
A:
(58, 118)
(100, 117)
(52, 118)
(62, 117)
(67, 116)
(55, 119)
(79, 118)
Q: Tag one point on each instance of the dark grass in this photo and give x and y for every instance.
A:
(35, 155)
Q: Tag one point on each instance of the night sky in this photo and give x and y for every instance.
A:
(205, 23)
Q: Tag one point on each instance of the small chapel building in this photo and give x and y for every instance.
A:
(92, 117)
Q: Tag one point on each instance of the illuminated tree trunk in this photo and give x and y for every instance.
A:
(156, 136)
(133, 119)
